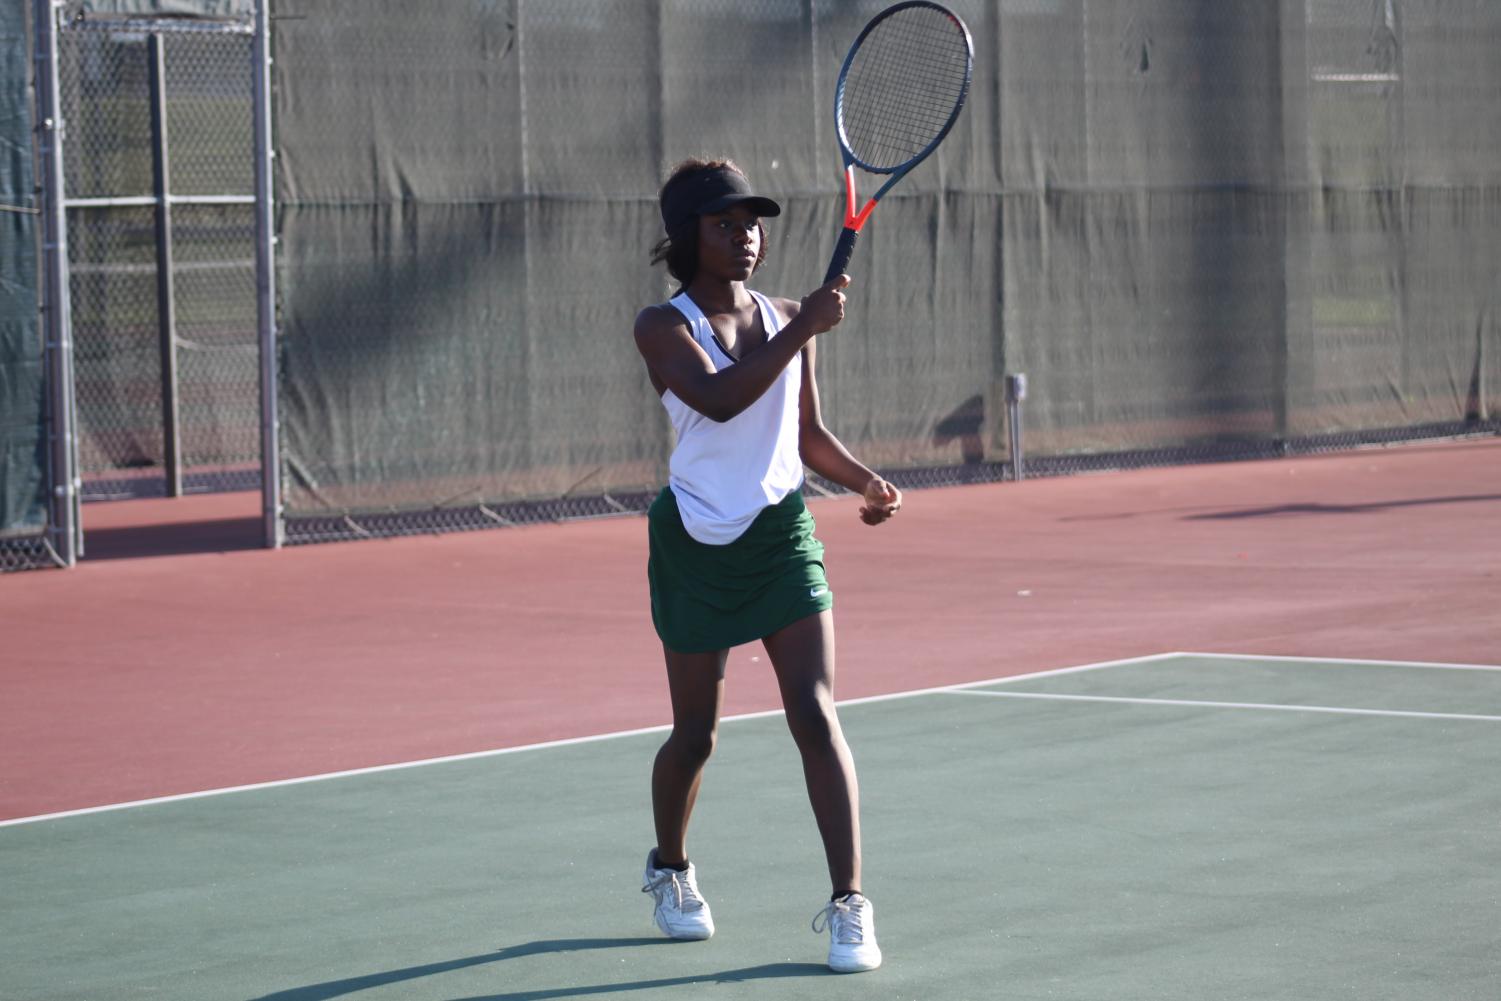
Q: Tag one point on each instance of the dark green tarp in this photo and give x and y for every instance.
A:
(1189, 224)
(23, 452)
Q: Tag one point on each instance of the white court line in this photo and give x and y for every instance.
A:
(567, 742)
(1339, 710)
(1345, 660)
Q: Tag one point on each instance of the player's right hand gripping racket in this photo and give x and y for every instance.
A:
(901, 88)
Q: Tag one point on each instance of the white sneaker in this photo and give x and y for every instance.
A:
(851, 922)
(681, 912)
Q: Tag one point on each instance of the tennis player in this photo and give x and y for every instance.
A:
(733, 558)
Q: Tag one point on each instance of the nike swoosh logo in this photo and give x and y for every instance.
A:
(817, 591)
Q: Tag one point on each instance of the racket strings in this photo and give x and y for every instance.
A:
(903, 86)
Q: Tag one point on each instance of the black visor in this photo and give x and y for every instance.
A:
(710, 190)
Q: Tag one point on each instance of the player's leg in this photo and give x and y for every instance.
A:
(696, 685)
(803, 656)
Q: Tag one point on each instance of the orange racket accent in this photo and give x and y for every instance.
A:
(852, 219)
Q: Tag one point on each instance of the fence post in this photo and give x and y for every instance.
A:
(1016, 391)
(265, 279)
(166, 310)
(65, 529)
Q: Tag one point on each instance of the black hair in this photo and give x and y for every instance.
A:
(680, 247)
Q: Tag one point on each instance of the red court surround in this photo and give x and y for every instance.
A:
(135, 676)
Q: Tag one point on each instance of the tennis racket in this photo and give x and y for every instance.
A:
(900, 90)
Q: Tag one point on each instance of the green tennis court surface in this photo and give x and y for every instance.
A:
(1180, 827)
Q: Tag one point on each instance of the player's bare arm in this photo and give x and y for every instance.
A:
(675, 362)
(824, 453)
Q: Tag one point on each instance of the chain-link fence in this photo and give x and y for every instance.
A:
(25, 553)
(160, 203)
(1205, 231)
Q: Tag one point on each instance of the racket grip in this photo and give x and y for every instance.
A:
(843, 251)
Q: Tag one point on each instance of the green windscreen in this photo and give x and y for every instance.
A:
(1201, 228)
(23, 423)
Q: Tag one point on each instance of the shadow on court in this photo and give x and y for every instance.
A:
(192, 524)
(341, 988)
(766, 971)
(1282, 509)
(225, 535)
(1202, 513)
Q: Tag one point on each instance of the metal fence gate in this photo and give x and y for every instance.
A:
(160, 200)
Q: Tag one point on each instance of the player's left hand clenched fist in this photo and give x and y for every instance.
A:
(882, 500)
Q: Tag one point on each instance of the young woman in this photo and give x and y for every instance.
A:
(733, 558)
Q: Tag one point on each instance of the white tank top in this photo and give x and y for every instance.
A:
(724, 474)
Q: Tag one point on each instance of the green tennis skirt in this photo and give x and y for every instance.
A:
(707, 598)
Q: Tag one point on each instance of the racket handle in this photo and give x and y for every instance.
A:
(843, 251)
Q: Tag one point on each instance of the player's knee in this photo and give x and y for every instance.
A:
(693, 745)
(813, 723)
